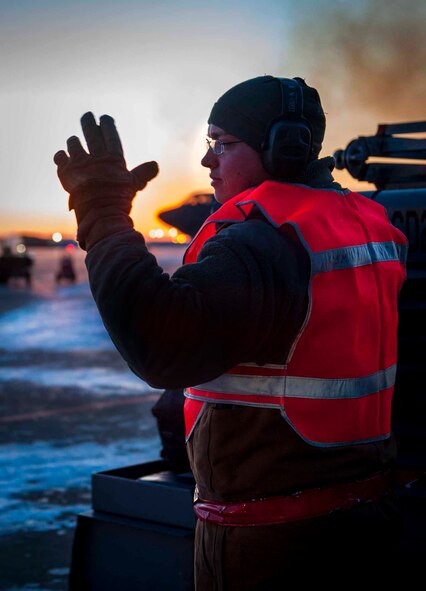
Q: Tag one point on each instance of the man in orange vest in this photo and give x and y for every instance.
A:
(281, 325)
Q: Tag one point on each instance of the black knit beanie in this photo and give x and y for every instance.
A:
(247, 109)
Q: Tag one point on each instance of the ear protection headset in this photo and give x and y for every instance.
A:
(287, 146)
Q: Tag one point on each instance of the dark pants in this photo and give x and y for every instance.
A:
(360, 544)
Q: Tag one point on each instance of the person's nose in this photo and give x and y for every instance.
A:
(210, 159)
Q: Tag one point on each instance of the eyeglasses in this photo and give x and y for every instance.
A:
(218, 146)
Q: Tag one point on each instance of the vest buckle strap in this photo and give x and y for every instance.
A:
(301, 505)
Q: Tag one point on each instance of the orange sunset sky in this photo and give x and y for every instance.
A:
(157, 68)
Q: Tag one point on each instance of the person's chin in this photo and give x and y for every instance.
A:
(220, 195)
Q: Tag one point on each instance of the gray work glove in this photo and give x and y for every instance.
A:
(100, 186)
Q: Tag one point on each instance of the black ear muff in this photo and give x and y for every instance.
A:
(288, 141)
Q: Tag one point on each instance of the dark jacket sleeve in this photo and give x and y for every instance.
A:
(244, 300)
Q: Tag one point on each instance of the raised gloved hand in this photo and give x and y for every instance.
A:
(100, 186)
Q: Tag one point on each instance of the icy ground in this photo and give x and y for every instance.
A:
(69, 406)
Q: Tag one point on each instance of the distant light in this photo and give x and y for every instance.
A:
(156, 233)
(173, 232)
(21, 248)
(56, 237)
(181, 239)
(70, 247)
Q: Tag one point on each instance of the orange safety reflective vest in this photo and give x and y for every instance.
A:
(335, 387)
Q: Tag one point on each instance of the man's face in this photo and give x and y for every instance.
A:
(237, 169)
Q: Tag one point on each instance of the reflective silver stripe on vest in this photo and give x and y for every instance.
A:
(357, 256)
(301, 387)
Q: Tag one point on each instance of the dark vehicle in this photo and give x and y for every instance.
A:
(15, 265)
(142, 516)
(401, 188)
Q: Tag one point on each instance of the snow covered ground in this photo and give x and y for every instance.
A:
(69, 407)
